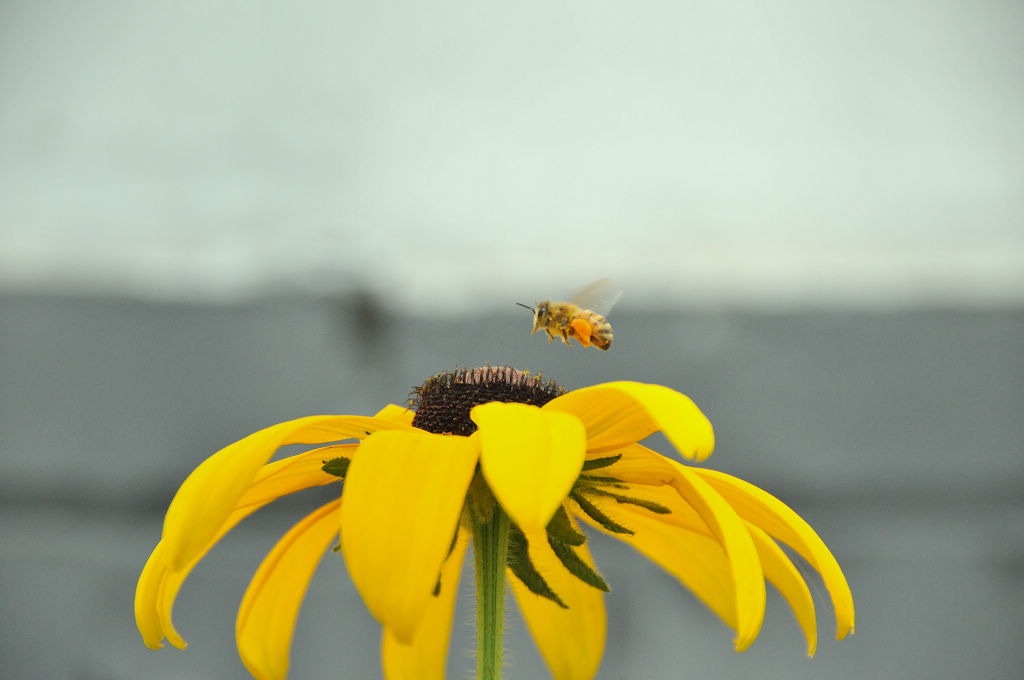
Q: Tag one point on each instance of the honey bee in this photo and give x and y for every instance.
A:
(581, 318)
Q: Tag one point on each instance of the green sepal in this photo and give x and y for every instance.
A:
(451, 549)
(479, 499)
(649, 505)
(337, 466)
(601, 480)
(598, 516)
(520, 564)
(560, 528)
(576, 566)
(595, 463)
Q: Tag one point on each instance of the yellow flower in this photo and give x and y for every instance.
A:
(418, 484)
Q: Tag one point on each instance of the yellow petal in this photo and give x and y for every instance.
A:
(647, 469)
(637, 464)
(684, 547)
(570, 640)
(266, 618)
(781, 573)
(693, 557)
(764, 510)
(150, 618)
(643, 466)
(396, 414)
(732, 534)
(292, 474)
(403, 497)
(159, 583)
(530, 458)
(425, 657)
(618, 413)
(210, 493)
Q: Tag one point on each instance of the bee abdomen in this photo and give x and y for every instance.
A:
(601, 336)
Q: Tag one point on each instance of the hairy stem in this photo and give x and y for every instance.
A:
(490, 545)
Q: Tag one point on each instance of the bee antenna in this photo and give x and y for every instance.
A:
(527, 306)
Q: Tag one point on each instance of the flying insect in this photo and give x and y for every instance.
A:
(583, 317)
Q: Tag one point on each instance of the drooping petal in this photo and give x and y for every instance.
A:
(645, 469)
(732, 534)
(425, 657)
(159, 583)
(530, 458)
(210, 493)
(678, 527)
(681, 544)
(643, 466)
(781, 573)
(266, 618)
(570, 640)
(775, 517)
(693, 557)
(403, 497)
(618, 413)
(151, 616)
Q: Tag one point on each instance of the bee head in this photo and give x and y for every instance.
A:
(538, 313)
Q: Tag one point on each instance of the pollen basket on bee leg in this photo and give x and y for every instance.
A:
(582, 330)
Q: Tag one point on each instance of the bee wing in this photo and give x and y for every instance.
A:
(600, 296)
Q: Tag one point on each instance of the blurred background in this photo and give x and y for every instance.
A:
(218, 216)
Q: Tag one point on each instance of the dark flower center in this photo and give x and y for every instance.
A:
(443, 402)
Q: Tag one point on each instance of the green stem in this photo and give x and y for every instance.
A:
(490, 545)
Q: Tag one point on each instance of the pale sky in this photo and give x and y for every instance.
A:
(442, 154)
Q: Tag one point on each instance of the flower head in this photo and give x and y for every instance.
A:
(514, 463)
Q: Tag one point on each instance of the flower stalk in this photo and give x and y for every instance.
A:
(490, 546)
